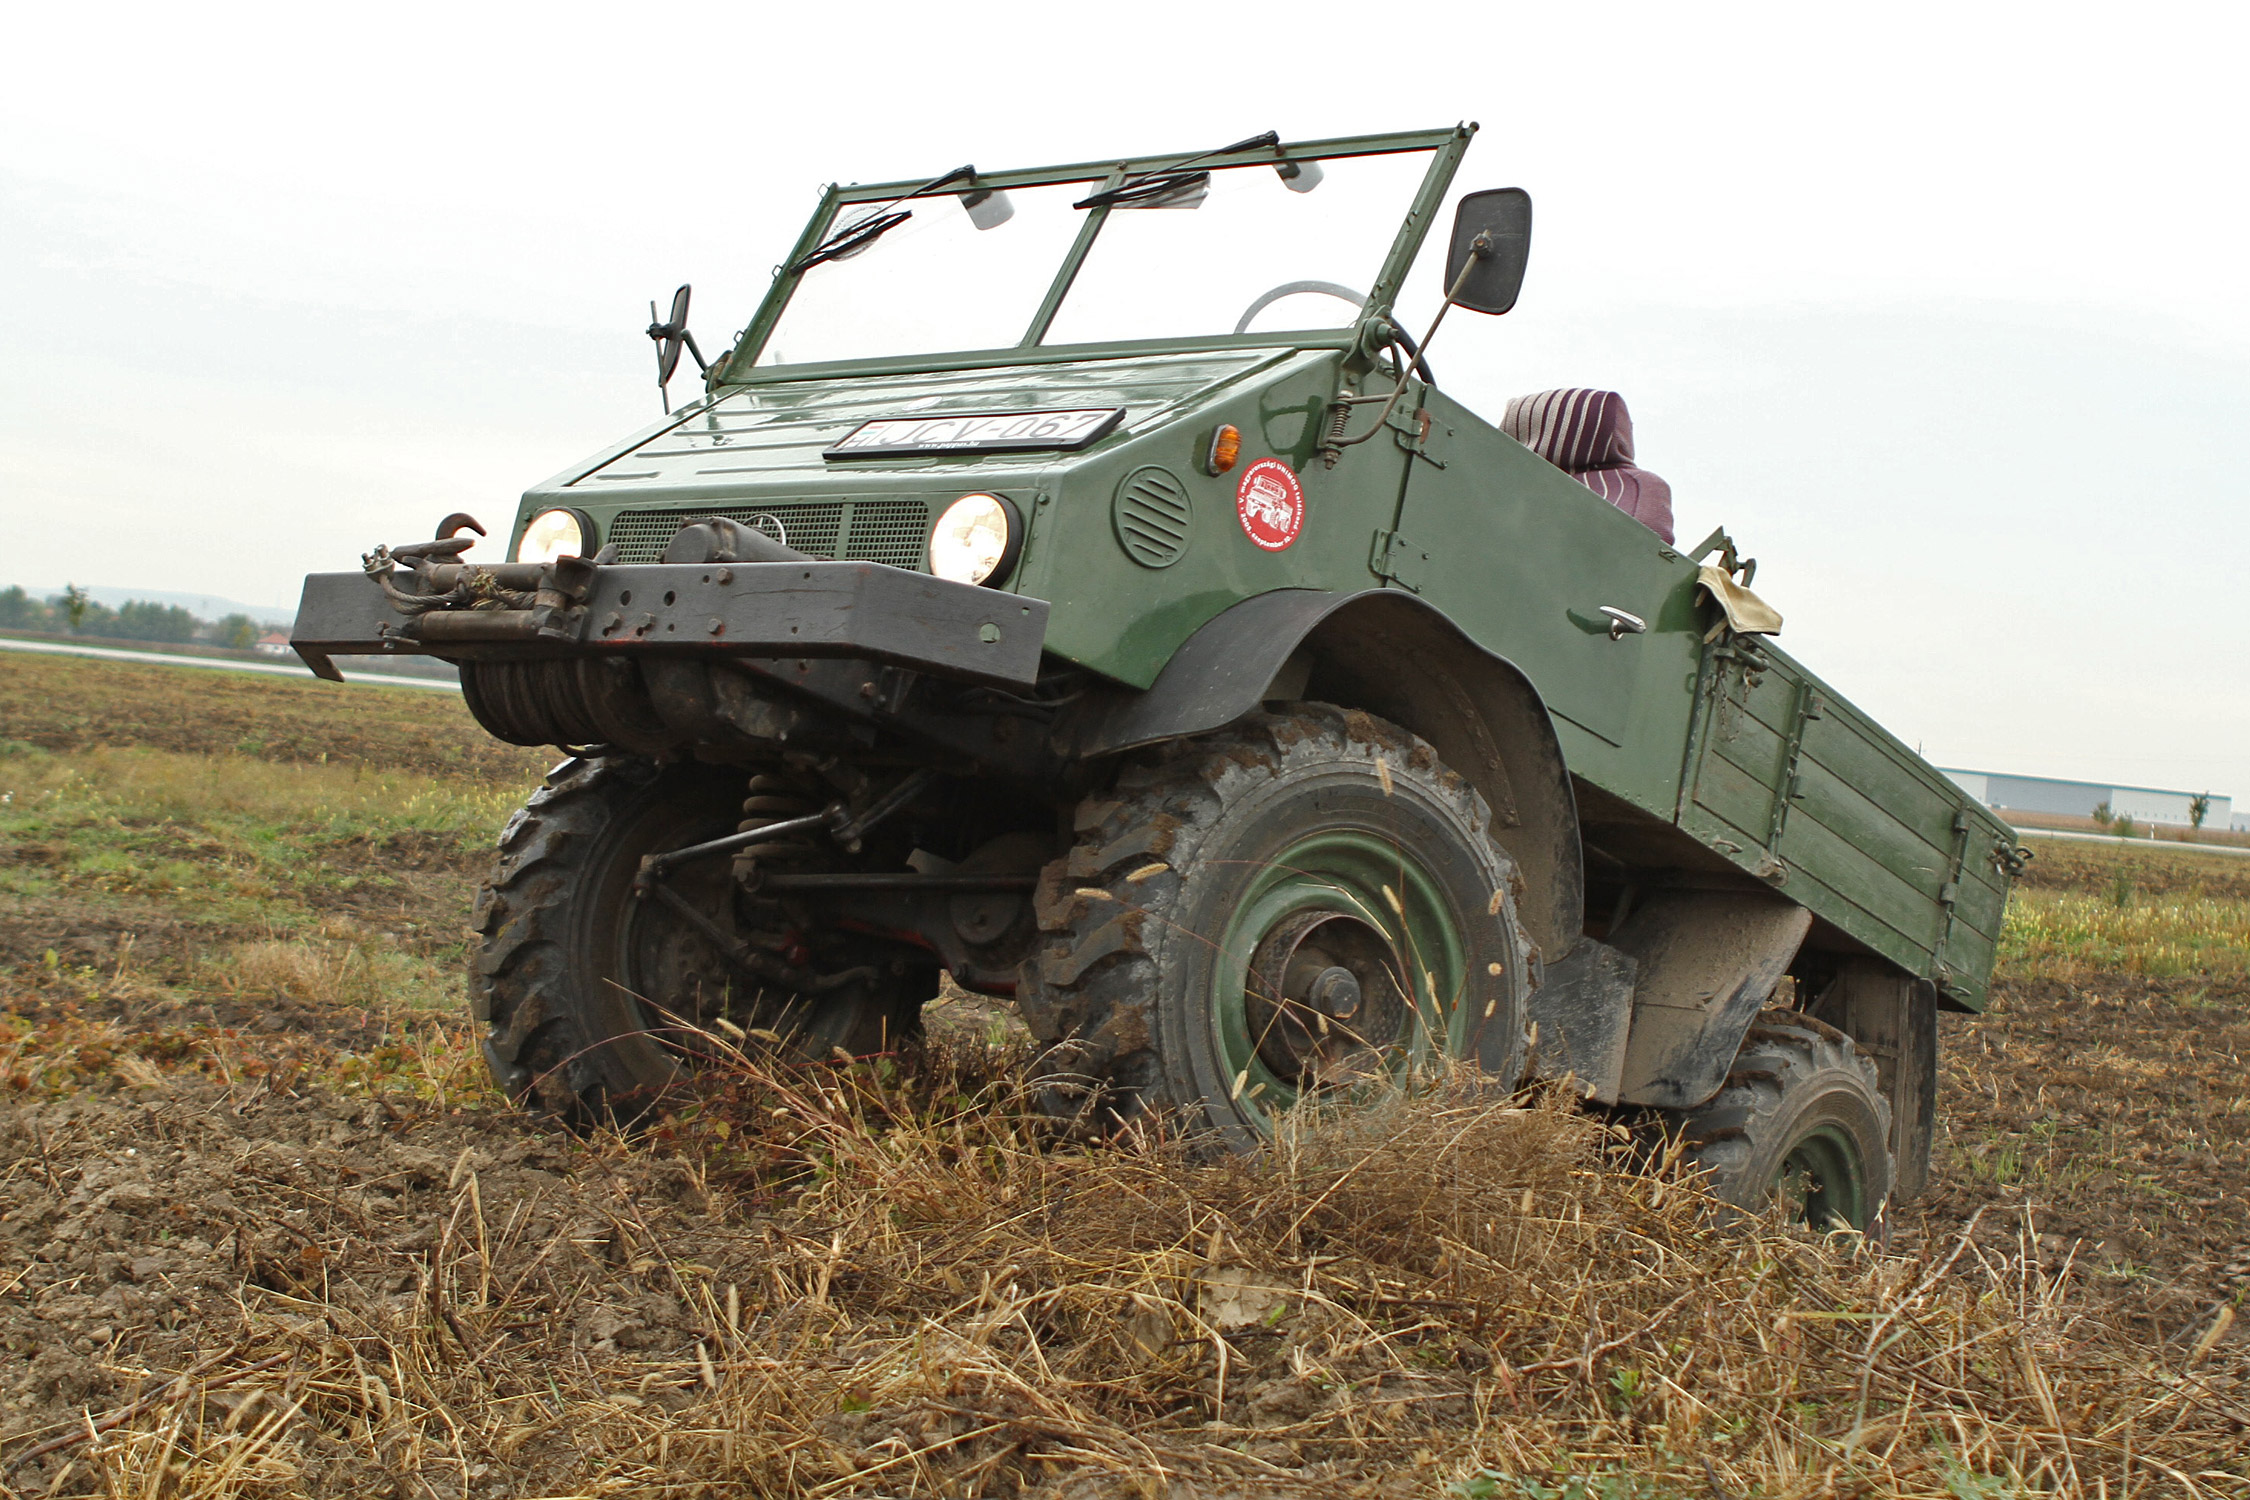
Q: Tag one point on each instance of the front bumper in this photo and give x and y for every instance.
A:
(861, 610)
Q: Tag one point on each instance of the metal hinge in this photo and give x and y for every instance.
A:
(1792, 787)
(1949, 893)
(1411, 430)
(1399, 561)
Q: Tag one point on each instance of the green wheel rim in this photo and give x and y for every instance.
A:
(1354, 891)
(1823, 1181)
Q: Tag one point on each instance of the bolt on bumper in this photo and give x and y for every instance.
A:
(794, 609)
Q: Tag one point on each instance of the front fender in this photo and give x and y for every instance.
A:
(1396, 656)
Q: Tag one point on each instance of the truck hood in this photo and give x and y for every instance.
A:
(777, 429)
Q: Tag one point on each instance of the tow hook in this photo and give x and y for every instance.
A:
(446, 599)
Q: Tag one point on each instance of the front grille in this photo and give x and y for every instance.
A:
(884, 531)
(887, 531)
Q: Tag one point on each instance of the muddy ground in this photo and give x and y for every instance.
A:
(304, 1235)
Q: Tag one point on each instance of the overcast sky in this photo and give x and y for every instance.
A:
(1941, 309)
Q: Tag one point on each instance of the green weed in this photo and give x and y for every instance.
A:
(232, 842)
(1605, 1482)
(2069, 936)
(1965, 1483)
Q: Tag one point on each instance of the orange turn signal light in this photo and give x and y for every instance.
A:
(1226, 447)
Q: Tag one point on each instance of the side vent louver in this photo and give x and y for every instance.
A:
(1151, 513)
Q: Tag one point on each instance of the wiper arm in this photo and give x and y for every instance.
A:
(862, 232)
(1145, 188)
(851, 239)
(1169, 180)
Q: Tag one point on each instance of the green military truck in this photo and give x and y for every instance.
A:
(1076, 582)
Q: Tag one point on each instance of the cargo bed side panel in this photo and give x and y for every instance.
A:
(1797, 785)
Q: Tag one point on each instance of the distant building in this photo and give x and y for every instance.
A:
(273, 643)
(2078, 799)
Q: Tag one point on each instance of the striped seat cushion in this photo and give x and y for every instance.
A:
(1589, 436)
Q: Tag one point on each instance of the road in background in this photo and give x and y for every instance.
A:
(165, 659)
(2169, 846)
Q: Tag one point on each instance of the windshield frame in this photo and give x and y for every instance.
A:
(741, 367)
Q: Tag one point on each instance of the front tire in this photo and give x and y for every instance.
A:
(593, 997)
(1293, 909)
(1802, 1121)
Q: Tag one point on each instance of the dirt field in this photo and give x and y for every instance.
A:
(266, 1230)
(73, 704)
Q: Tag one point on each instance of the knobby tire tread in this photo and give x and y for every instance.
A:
(1785, 1057)
(522, 921)
(1089, 991)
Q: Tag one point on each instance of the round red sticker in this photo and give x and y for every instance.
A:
(1270, 504)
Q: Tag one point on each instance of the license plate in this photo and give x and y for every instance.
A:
(981, 432)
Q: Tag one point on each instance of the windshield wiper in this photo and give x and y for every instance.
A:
(862, 232)
(1149, 187)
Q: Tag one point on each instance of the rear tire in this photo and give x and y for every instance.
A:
(1292, 908)
(1801, 1119)
(1891, 1018)
(593, 997)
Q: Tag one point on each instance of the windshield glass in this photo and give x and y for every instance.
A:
(933, 285)
(1176, 272)
(1245, 255)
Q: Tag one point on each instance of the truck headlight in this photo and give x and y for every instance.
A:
(976, 540)
(553, 534)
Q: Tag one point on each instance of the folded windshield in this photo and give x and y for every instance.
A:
(1243, 251)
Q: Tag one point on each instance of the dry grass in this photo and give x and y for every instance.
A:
(264, 1230)
(877, 1282)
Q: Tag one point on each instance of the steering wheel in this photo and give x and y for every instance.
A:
(1291, 289)
(1344, 293)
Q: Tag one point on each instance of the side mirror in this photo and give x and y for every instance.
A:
(1484, 265)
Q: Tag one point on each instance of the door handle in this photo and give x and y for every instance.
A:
(1623, 623)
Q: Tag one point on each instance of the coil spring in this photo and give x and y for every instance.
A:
(775, 798)
(1339, 417)
(566, 702)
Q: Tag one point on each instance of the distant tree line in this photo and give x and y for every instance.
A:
(72, 612)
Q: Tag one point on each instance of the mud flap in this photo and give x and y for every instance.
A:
(1708, 961)
(1579, 1018)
